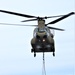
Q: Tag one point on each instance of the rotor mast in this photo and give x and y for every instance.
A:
(41, 23)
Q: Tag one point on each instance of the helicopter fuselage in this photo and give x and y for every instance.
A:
(42, 40)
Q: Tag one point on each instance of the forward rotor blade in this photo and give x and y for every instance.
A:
(18, 14)
(17, 24)
(29, 20)
(52, 16)
(61, 18)
(55, 28)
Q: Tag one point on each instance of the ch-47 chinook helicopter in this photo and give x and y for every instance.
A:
(42, 40)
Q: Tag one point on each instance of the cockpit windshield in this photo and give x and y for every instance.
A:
(40, 30)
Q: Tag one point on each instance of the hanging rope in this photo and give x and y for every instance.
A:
(43, 68)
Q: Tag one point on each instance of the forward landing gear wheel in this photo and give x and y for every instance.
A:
(53, 54)
(34, 54)
(32, 50)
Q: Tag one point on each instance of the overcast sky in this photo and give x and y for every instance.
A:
(15, 48)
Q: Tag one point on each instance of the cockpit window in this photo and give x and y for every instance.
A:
(41, 30)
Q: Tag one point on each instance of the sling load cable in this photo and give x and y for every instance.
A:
(43, 68)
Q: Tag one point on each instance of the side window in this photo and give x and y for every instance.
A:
(52, 32)
(48, 31)
(35, 31)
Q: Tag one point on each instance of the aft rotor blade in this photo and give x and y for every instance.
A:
(61, 18)
(18, 14)
(17, 24)
(29, 20)
(56, 28)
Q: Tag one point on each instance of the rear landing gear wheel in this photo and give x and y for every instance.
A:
(53, 54)
(34, 54)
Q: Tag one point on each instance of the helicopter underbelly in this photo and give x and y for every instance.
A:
(43, 48)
